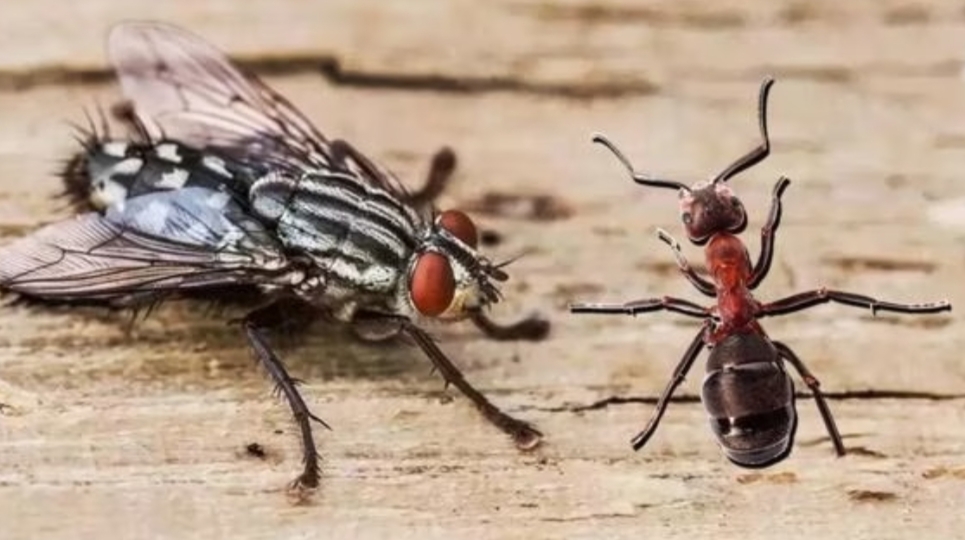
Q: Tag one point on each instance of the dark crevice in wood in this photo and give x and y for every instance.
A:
(331, 69)
(852, 395)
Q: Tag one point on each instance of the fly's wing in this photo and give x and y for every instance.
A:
(149, 246)
(193, 93)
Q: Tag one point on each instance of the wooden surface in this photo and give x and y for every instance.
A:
(105, 435)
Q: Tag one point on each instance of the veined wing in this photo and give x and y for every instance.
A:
(189, 90)
(160, 243)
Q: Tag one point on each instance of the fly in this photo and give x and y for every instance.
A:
(226, 190)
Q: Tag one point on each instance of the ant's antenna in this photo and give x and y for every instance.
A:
(638, 178)
(758, 154)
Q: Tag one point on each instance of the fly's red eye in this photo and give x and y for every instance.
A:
(459, 225)
(432, 284)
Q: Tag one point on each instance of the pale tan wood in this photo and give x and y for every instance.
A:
(144, 436)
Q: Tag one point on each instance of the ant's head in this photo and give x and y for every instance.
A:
(707, 208)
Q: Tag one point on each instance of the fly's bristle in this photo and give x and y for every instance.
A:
(77, 182)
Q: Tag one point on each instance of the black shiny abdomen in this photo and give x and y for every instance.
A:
(750, 400)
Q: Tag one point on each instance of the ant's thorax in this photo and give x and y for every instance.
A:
(730, 267)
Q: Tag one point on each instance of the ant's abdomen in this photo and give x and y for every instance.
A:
(750, 400)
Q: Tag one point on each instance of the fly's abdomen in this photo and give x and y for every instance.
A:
(109, 172)
(361, 238)
(750, 400)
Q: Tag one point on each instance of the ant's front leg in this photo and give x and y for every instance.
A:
(763, 265)
(669, 303)
(695, 279)
(809, 299)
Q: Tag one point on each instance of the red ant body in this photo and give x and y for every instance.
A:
(747, 392)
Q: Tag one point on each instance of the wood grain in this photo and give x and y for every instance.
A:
(104, 434)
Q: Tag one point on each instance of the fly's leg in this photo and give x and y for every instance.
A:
(532, 328)
(254, 325)
(524, 435)
(812, 382)
(679, 374)
(809, 299)
(763, 265)
(440, 173)
(668, 303)
(683, 264)
(125, 113)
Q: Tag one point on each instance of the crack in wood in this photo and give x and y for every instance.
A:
(850, 395)
(330, 69)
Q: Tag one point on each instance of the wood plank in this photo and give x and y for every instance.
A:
(145, 435)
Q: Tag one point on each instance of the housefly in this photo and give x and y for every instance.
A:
(226, 190)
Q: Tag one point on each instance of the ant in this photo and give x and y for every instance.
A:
(747, 392)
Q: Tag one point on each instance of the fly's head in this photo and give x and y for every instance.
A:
(708, 208)
(447, 278)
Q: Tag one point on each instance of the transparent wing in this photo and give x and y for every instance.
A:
(154, 244)
(193, 93)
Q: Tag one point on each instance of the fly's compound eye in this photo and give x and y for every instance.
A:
(459, 225)
(432, 285)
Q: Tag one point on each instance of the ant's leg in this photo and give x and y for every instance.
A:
(532, 328)
(695, 279)
(763, 265)
(812, 382)
(669, 303)
(679, 374)
(808, 299)
(440, 173)
(524, 435)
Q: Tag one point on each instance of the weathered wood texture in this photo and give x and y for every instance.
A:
(110, 436)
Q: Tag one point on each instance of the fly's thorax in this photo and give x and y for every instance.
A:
(708, 208)
(446, 277)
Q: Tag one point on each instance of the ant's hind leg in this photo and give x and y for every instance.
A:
(808, 299)
(815, 386)
(683, 264)
(763, 265)
(679, 374)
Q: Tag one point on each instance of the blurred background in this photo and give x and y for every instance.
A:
(110, 435)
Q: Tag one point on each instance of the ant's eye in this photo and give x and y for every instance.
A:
(686, 218)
